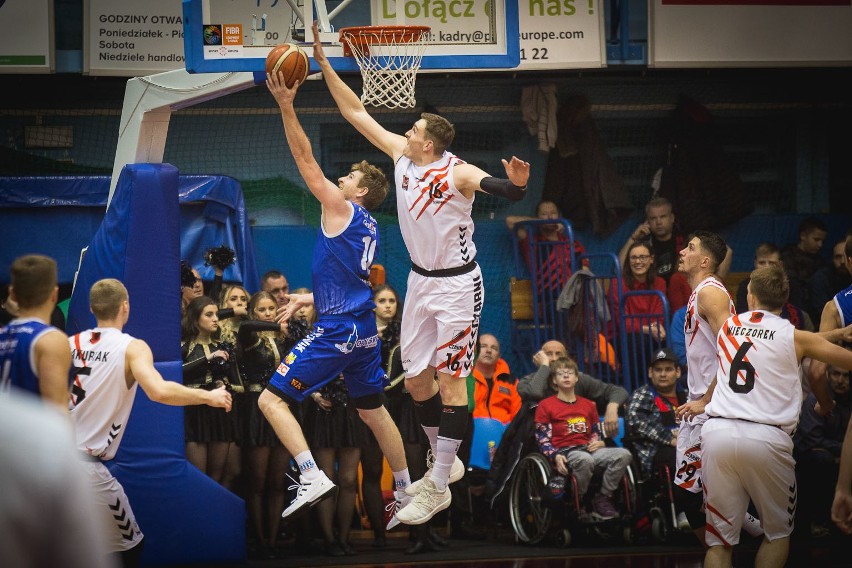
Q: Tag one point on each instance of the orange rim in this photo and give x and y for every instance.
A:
(365, 36)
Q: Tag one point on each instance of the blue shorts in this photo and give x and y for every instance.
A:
(347, 344)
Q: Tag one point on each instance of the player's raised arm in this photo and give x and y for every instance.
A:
(353, 109)
(328, 194)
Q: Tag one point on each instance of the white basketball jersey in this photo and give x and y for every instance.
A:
(759, 375)
(434, 216)
(100, 400)
(701, 342)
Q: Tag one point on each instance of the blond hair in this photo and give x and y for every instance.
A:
(375, 181)
(105, 298)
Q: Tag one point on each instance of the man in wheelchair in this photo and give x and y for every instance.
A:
(567, 432)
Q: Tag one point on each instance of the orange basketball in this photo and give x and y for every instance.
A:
(289, 59)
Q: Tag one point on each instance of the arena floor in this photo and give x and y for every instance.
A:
(499, 550)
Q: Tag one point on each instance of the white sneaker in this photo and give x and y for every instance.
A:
(309, 493)
(400, 501)
(683, 522)
(456, 473)
(425, 505)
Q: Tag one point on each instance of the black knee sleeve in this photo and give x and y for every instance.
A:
(453, 422)
(130, 558)
(369, 402)
(428, 411)
(691, 504)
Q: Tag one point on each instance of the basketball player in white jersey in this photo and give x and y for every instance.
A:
(754, 408)
(709, 305)
(108, 366)
(435, 192)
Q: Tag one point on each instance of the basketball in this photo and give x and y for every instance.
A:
(291, 60)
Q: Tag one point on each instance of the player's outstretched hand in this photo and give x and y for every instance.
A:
(220, 398)
(319, 54)
(284, 95)
(517, 170)
(841, 511)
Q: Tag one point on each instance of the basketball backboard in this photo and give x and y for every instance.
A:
(236, 35)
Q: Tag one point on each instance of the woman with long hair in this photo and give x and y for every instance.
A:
(233, 301)
(208, 363)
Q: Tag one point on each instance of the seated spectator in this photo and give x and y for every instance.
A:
(816, 447)
(802, 259)
(536, 386)
(650, 418)
(648, 333)
(554, 262)
(828, 281)
(567, 431)
(658, 227)
(767, 254)
(495, 391)
(276, 284)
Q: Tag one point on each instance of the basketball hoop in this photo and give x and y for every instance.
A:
(389, 57)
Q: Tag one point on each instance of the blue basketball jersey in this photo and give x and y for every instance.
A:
(17, 341)
(341, 266)
(843, 301)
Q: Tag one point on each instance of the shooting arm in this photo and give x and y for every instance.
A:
(352, 108)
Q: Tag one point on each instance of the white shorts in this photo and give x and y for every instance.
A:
(440, 323)
(747, 461)
(116, 516)
(688, 455)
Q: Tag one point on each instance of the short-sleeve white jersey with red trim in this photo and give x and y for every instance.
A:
(434, 217)
(759, 374)
(100, 401)
(701, 358)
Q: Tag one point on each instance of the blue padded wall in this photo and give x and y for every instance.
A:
(185, 516)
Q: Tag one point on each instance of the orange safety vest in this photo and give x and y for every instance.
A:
(503, 402)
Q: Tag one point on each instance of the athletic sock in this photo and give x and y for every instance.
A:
(401, 480)
(307, 466)
(444, 458)
(451, 432)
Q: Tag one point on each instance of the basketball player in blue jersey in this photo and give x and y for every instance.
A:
(34, 355)
(344, 339)
(435, 191)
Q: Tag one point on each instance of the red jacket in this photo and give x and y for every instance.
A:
(650, 304)
(503, 401)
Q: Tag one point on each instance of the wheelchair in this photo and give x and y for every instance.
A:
(656, 512)
(536, 516)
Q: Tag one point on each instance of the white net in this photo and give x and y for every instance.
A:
(389, 57)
